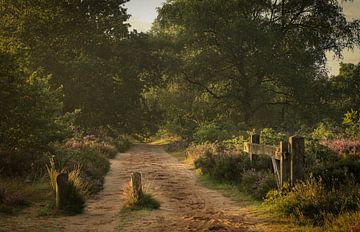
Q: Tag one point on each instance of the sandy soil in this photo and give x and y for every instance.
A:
(185, 205)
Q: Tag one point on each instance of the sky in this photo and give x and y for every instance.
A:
(143, 13)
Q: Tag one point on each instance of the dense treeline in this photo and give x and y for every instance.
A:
(69, 68)
(233, 65)
(240, 64)
(87, 49)
(72, 78)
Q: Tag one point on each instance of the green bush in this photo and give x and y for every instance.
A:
(323, 131)
(210, 133)
(352, 123)
(235, 143)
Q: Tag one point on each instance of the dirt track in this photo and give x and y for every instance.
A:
(185, 205)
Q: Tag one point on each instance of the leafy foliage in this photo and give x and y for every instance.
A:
(271, 137)
(209, 132)
(31, 117)
(352, 121)
(88, 50)
(254, 63)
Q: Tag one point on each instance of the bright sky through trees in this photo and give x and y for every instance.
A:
(144, 12)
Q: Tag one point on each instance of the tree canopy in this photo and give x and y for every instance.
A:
(265, 60)
(87, 48)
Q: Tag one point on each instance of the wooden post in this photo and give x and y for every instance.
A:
(136, 185)
(297, 150)
(62, 186)
(284, 163)
(255, 138)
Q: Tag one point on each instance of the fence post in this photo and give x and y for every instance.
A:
(62, 186)
(297, 150)
(255, 138)
(136, 185)
(284, 163)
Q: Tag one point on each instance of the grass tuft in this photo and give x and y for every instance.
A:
(145, 201)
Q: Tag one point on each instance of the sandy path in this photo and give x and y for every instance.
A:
(185, 205)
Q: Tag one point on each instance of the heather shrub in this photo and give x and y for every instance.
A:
(94, 165)
(318, 152)
(10, 198)
(339, 173)
(317, 156)
(344, 147)
(195, 151)
(222, 166)
(311, 202)
(344, 222)
(236, 169)
(90, 143)
(258, 183)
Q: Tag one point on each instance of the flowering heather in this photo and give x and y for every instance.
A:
(344, 147)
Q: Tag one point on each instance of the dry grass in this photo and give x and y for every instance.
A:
(74, 177)
(345, 222)
(77, 189)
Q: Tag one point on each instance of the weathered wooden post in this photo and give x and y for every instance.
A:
(136, 185)
(284, 162)
(297, 151)
(255, 138)
(62, 188)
